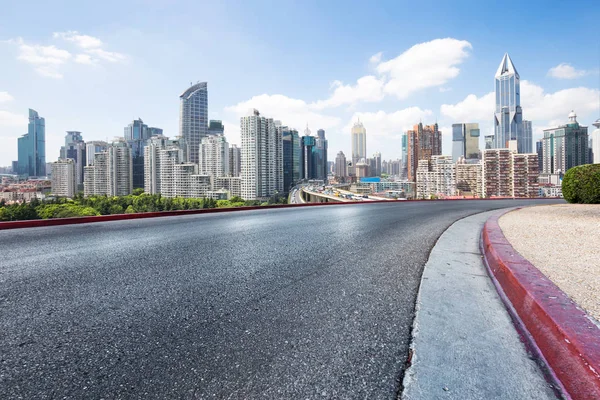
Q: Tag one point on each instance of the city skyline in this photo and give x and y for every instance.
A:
(445, 74)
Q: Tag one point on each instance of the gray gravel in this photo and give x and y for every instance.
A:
(562, 241)
(294, 303)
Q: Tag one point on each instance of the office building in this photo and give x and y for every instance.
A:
(215, 127)
(262, 157)
(527, 137)
(539, 149)
(136, 130)
(235, 160)
(75, 149)
(91, 148)
(436, 177)
(489, 141)
(565, 147)
(508, 115)
(112, 172)
(465, 141)
(361, 169)
(359, 142)
(596, 143)
(136, 135)
(214, 156)
(422, 143)
(376, 164)
(307, 157)
(340, 165)
(64, 177)
(32, 148)
(292, 150)
(152, 131)
(193, 117)
(321, 146)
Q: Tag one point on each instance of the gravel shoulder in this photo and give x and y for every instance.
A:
(563, 242)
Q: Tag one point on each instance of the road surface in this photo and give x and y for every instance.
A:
(312, 302)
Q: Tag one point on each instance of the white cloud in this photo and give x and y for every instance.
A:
(566, 71)
(376, 58)
(383, 124)
(424, 65)
(83, 41)
(83, 59)
(5, 97)
(539, 105)
(445, 89)
(109, 56)
(367, 89)
(8, 119)
(472, 108)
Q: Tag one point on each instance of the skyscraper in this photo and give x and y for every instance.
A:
(565, 146)
(340, 165)
(75, 149)
(465, 141)
(214, 156)
(508, 116)
(64, 178)
(423, 142)
(32, 147)
(215, 127)
(235, 160)
(136, 130)
(527, 137)
(539, 149)
(262, 157)
(111, 173)
(359, 142)
(193, 117)
(596, 142)
(376, 164)
(136, 135)
(91, 148)
(291, 157)
(307, 158)
(321, 155)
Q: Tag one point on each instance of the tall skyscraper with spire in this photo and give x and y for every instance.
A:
(508, 116)
(193, 117)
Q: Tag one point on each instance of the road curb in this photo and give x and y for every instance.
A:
(563, 334)
(37, 223)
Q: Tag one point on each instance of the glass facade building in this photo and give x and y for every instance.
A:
(465, 141)
(32, 147)
(193, 117)
(291, 158)
(308, 158)
(508, 116)
(321, 155)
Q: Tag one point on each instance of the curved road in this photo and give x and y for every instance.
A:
(312, 302)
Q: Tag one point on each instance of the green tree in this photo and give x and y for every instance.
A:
(581, 184)
(130, 210)
(138, 191)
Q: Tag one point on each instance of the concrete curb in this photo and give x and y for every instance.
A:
(36, 223)
(564, 335)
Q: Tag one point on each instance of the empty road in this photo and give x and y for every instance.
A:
(312, 302)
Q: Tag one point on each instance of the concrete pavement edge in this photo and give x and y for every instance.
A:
(560, 331)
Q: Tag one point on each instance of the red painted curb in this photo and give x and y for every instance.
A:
(36, 223)
(563, 333)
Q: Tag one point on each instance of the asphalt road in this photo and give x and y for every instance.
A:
(312, 302)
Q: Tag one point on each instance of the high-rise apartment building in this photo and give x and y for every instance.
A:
(193, 117)
(469, 179)
(215, 127)
(507, 173)
(291, 157)
(527, 137)
(111, 173)
(235, 160)
(307, 157)
(214, 156)
(340, 165)
(321, 155)
(465, 141)
(376, 164)
(262, 157)
(75, 149)
(32, 147)
(508, 116)
(565, 146)
(91, 148)
(64, 178)
(596, 143)
(436, 177)
(422, 143)
(359, 142)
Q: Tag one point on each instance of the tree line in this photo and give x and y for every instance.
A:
(137, 202)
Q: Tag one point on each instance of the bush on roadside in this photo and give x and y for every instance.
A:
(582, 184)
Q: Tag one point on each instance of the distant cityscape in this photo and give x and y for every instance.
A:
(274, 158)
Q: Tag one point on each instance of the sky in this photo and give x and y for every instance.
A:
(96, 66)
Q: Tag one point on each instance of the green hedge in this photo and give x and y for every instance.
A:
(582, 184)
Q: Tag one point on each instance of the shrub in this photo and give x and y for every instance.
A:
(582, 184)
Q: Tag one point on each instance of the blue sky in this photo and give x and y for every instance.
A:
(95, 66)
